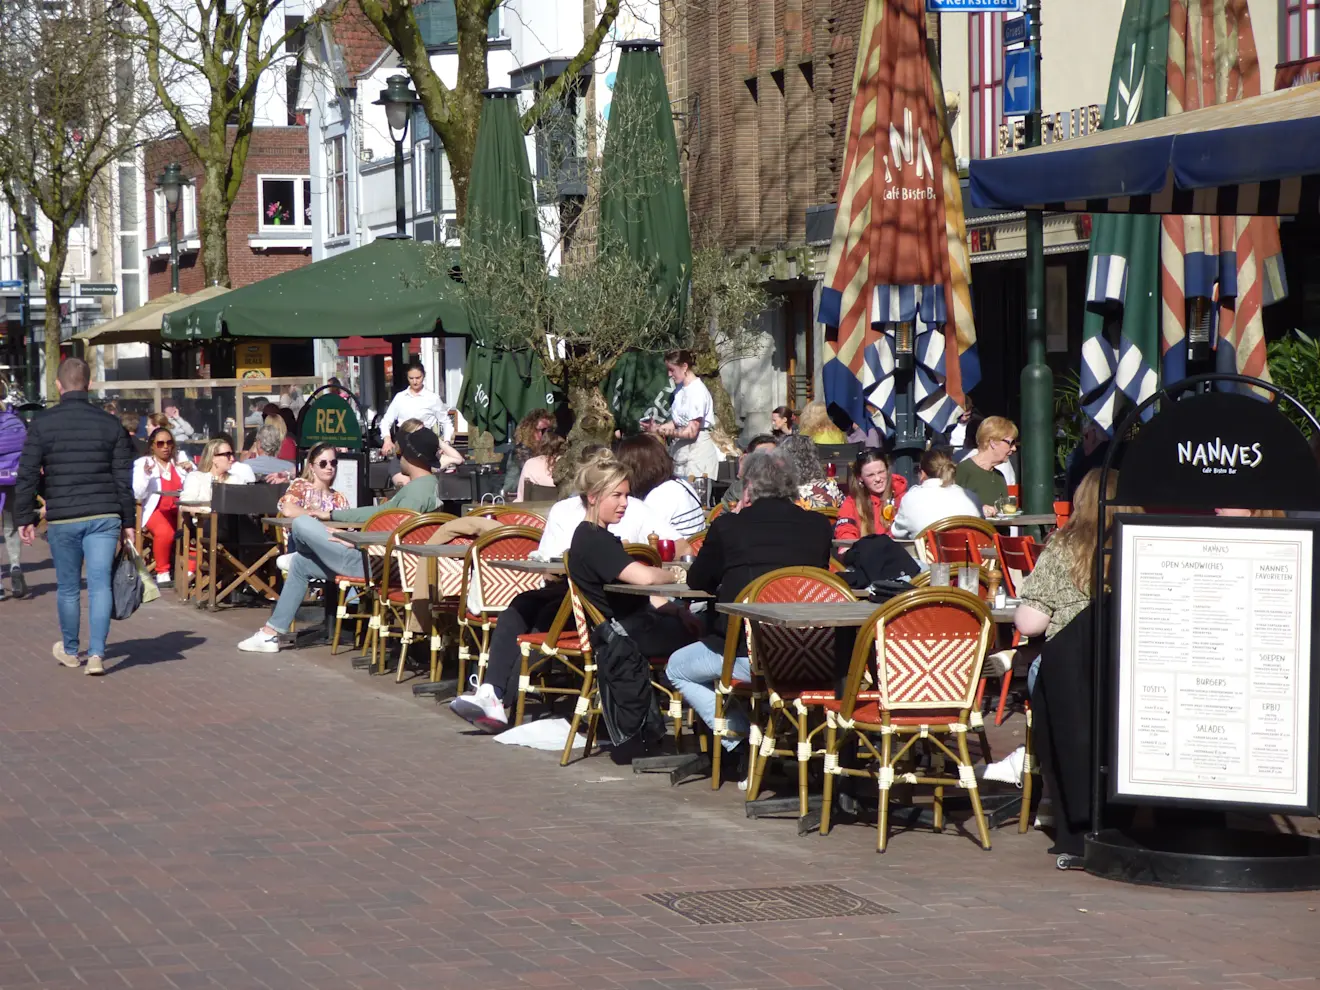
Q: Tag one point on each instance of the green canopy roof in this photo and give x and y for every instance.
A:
(385, 288)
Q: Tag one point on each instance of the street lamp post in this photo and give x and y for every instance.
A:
(398, 99)
(172, 181)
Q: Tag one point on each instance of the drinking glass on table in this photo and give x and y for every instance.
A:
(969, 577)
(939, 575)
(666, 549)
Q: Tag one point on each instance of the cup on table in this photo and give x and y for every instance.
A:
(939, 575)
(666, 549)
(969, 578)
(687, 558)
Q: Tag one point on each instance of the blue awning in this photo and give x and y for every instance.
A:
(1257, 157)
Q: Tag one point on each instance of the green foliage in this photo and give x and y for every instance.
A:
(1294, 363)
(1069, 420)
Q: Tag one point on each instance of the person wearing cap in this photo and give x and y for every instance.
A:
(320, 555)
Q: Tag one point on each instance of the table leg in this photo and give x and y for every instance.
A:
(214, 563)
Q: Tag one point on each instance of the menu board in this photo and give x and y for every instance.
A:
(1214, 664)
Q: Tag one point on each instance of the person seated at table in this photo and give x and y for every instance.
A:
(783, 422)
(312, 491)
(131, 421)
(539, 469)
(531, 431)
(875, 495)
(866, 433)
(321, 556)
(996, 439)
(733, 496)
(449, 457)
(177, 425)
(814, 489)
(935, 497)
(651, 475)
(815, 422)
(157, 484)
(597, 558)
(768, 532)
(534, 611)
(216, 466)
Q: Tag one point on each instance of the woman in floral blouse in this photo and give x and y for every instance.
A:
(313, 489)
(815, 490)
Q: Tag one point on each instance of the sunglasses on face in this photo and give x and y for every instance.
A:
(164, 443)
(327, 464)
(223, 453)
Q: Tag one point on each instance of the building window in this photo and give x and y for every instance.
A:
(1301, 29)
(285, 200)
(985, 39)
(187, 214)
(423, 177)
(336, 200)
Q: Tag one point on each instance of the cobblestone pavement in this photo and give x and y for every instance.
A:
(205, 818)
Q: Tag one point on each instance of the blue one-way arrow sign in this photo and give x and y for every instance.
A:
(1019, 82)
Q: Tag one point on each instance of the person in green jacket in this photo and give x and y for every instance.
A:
(321, 555)
(996, 439)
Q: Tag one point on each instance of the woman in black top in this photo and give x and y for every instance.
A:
(596, 558)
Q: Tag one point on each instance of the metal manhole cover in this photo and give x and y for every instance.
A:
(752, 904)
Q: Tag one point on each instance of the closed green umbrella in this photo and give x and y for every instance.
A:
(638, 388)
(642, 204)
(385, 288)
(500, 385)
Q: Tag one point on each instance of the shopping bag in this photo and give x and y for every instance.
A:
(150, 592)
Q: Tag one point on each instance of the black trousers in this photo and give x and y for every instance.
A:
(532, 611)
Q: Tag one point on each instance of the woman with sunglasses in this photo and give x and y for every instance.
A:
(312, 491)
(996, 440)
(216, 466)
(157, 483)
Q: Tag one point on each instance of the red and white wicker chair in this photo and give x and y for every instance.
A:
(487, 590)
(384, 521)
(398, 578)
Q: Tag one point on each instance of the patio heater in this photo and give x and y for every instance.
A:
(171, 182)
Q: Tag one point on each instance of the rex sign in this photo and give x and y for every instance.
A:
(328, 418)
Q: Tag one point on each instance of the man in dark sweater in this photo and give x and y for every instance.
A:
(766, 533)
(81, 458)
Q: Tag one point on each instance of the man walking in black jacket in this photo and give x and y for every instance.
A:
(81, 458)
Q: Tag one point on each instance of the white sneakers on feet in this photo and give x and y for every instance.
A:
(68, 659)
(95, 666)
(283, 561)
(1009, 769)
(261, 642)
(481, 703)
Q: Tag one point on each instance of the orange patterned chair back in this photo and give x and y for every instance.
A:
(401, 566)
(697, 540)
(794, 659)
(500, 586)
(385, 521)
(929, 647)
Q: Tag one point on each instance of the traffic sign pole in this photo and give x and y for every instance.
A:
(1037, 379)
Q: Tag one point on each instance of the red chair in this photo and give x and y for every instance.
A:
(558, 646)
(958, 539)
(928, 647)
(510, 515)
(1062, 510)
(1015, 560)
(487, 590)
(396, 585)
(382, 522)
(696, 541)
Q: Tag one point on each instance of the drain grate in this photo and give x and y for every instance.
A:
(753, 904)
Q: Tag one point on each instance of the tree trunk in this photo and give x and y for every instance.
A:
(707, 368)
(213, 222)
(593, 425)
(52, 270)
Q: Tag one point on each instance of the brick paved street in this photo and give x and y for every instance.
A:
(205, 818)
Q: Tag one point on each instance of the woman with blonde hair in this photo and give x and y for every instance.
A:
(814, 421)
(996, 440)
(936, 497)
(216, 466)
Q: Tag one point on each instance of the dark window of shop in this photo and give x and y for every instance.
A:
(1299, 36)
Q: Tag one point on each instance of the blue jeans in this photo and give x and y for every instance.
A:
(317, 557)
(72, 544)
(695, 670)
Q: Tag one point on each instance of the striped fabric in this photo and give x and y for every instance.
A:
(1294, 196)
(1232, 261)
(898, 252)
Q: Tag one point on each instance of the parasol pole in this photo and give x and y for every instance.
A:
(1037, 379)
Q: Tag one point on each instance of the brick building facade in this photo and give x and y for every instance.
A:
(269, 226)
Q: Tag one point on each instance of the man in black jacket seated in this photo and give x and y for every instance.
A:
(767, 532)
(82, 458)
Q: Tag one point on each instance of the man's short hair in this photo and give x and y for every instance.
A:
(761, 440)
(768, 474)
(74, 375)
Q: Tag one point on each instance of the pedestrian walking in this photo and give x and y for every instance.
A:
(81, 458)
(13, 434)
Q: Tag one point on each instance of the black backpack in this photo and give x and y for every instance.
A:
(627, 699)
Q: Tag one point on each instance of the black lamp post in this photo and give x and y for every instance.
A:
(172, 182)
(398, 99)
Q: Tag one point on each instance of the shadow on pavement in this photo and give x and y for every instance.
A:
(158, 649)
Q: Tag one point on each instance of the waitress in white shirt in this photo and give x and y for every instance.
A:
(692, 415)
(416, 402)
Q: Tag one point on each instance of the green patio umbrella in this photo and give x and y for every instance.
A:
(638, 387)
(500, 385)
(643, 207)
(386, 288)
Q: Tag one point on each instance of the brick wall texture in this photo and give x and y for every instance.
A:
(765, 87)
(273, 151)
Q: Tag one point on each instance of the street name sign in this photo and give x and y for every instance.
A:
(965, 6)
(1015, 30)
(97, 289)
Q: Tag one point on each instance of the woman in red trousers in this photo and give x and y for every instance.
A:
(157, 481)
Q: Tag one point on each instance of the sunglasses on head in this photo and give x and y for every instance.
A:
(327, 464)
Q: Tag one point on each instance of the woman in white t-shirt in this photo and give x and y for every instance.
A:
(651, 476)
(692, 414)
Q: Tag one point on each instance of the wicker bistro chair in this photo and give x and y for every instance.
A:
(585, 618)
(795, 669)
(556, 648)
(382, 522)
(487, 591)
(927, 647)
(958, 539)
(510, 515)
(398, 576)
(697, 540)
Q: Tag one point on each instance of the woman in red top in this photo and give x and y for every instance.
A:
(874, 493)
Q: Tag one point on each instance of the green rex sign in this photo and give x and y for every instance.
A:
(329, 418)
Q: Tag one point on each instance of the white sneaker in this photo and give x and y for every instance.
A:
(1000, 663)
(260, 642)
(68, 659)
(283, 561)
(481, 703)
(1009, 769)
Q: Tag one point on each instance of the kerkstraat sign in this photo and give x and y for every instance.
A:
(1219, 450)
